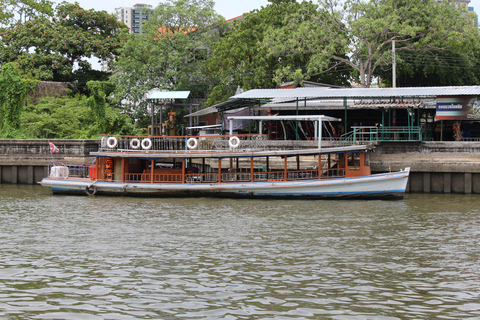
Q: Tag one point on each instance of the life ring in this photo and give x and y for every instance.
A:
(111, 142)
(90, 190)
(234, 142)
(146, 144)
(192, 143)
(135, 144)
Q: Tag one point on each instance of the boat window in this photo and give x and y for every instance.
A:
(354, 159)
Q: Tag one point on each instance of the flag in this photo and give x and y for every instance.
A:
(53, 148)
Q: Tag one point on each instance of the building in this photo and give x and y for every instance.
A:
(463, 4)
(134, 17)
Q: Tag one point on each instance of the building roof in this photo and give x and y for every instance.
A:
(358, 93)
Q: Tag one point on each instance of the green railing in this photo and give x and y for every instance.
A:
(387, 134)
(378, 134)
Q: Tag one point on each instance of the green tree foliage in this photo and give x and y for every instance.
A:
(72, 118)
(19, 11)
(433, 68)
(57, 49)
(366, 30)
(241, 59)
(13, 91)
(170, 56)
(99, 91)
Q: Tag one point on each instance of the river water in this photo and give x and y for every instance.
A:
(68, 257)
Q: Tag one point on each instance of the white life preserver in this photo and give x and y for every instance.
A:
(234, 142)
(192, 143)
(146, 144)
(135, 144)
(111, 142)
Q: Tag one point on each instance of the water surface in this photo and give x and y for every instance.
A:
(70, 257)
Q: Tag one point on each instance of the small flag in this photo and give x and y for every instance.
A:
(53, 148)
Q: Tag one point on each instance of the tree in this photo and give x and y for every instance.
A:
(241, 59)
(19, 11)
(169, 56)
(433, 68)
(366, 30)
(72, 118)
(58, 48)
(13, 91)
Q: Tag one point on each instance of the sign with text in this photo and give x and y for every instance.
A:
(458, 108)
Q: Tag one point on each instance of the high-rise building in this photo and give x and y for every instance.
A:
(134, 17)
(463, 4)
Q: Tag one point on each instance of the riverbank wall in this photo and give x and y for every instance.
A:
(27, 161)
(436, 167)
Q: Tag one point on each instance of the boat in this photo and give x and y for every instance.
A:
(233, 165)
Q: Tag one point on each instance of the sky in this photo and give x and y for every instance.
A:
(227, 8)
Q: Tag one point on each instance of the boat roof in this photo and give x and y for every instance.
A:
(225, 153)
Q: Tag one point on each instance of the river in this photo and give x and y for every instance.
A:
(70, 257)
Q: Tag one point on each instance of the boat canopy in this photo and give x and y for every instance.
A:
(317, 118)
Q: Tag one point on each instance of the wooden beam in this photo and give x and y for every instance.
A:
(183, 170)
(152, 167)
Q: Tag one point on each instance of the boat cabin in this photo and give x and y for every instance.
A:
(215, 160)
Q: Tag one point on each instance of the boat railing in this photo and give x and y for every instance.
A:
(212, 177)
(182, 143)
(64, 170)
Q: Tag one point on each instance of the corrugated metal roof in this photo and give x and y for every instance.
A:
(329, 93)
(169, 95)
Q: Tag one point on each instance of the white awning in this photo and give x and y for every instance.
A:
(169, 95)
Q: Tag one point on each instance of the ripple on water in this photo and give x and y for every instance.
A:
(127, 258)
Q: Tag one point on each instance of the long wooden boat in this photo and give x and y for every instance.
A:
(225, 166)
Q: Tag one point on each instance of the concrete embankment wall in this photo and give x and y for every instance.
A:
(436, 167)
(27, 161)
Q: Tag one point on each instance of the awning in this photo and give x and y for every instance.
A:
(213, 126)
(169, 95)
(229, 105)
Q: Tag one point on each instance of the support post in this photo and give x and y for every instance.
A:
(319, 133)
(285, 170)
(296, 123)
(251, 170)
(123, 170)
(319, 166)
(394, 66)
(152, 103)
(152, 168)
(345, 105)
(219, 170)
(183, 170)
(161, 119)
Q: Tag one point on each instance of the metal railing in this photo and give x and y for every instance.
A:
(365, 134)
(182, 143)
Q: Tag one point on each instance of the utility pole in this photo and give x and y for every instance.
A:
(394, 66)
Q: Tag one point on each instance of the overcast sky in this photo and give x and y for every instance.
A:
(227, 8)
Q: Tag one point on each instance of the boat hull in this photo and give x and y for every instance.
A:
(386, 185)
